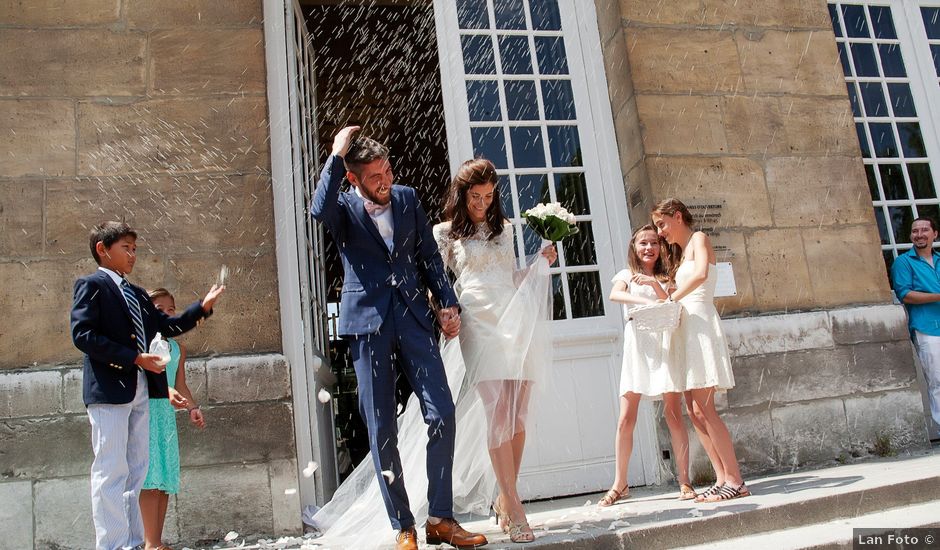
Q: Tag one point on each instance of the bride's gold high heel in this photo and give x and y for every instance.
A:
(520, 532)
(502, 518)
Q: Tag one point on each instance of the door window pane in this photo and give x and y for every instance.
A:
(901, 219)
(478, 55)
(882, 23)
(912, 141)
(931, 22)
(864, 57)
(533, 189)
(874, 99)
(559, 100)
(586, 295)
(901, 99)
(521, 102)
(565, 146)
(882, 138)
(471, 14)
(505, 197)
(872, 182)
(929, 211)
(935, 52)
(558, 299)
(853, 100)
(891, 60)
(834, 19)
(509, 14)
(862, 140)
(531, 241)
(921, 181)
(545, 15)
(882, 226)
(571, 192)
(527, 149)
(490, 143)
(855, 24)
(483, 100)
(579, 248)
(844, 59)
(515, 56)
(550, 51)
(892, 181)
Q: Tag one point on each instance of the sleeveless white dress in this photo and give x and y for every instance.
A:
(699, 343)
(647, 368)
(503, 343)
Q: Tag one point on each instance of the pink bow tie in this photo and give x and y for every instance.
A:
(375, 209)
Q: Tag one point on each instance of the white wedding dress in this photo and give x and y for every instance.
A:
(503, 344)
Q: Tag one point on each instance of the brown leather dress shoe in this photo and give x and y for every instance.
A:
(450, 532)
(407, 539)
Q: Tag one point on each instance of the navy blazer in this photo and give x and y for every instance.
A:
(102, 328)
(372, 274)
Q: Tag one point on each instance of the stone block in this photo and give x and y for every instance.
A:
(72, 402)
(44, 290)
(220, 499)
(617, 68)
(248, 378)
(203, 61)
(846, 266)
(836, 187)
(810, 433)
(790, 62)
(21, 204)
(193, 135)
(16, 514)
(778, 333)
(45, 448)
(819, 125)
(737, 184)
(884, 323)
(247, 318)
(887, 423)
(674, 12)
(196, 379)
(62, 512)
(753, 437)
(766, 13)
(238, 433)
(30, 393)
(608, 20)
(683, 60)
(39, 137)
(753, 125)
(285, 497)
(681, 125)
(170, 213)
(72, 63)
(629, 136)
(168, 14)
(778, 270)
(59, 13)
(882, 367)
(730, 247)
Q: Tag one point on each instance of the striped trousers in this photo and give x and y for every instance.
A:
(120, 437)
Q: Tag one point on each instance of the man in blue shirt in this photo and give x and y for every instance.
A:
(915, 276)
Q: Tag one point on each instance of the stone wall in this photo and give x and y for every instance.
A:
(742, 105)
(236, 473)
(150, 111)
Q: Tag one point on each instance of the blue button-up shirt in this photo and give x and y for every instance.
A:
(911, 272)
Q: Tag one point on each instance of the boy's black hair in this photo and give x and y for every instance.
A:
(108, 233)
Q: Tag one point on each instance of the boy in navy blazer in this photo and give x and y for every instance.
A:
(112, 323)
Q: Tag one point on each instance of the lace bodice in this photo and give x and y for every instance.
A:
(477, 259)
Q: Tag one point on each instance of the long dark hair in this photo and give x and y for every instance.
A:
(669, 207)
(473, 172)
(661, 267)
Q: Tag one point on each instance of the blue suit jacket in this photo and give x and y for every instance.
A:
(372, 274)
(102, 328)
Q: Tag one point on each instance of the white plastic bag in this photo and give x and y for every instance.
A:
(160, 347)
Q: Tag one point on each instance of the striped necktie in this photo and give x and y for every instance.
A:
(134, 306)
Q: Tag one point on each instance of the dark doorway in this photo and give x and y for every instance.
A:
(377, 67)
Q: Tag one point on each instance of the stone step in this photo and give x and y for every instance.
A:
(836, 534)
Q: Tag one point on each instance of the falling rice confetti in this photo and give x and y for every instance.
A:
(311, 467)
(223, 273)
(230, 536)
(389, 475)
(324, 396)
(290, 491)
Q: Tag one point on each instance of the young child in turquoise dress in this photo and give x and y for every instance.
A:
(163, 475)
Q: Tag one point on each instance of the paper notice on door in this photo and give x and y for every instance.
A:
(725, 285)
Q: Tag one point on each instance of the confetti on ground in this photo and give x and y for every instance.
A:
(290, 491)
(695, 513)
(324, 396)
(617, 525)
(230, 536)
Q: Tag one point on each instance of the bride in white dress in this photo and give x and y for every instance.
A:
(493, 367)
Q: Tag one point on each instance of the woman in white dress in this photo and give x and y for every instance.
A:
(646, 369)
(699, 344)
(492, 368)
(503, 362)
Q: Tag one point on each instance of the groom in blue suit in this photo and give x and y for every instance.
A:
(390, 262)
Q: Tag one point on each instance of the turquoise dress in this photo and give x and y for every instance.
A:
(164, 470)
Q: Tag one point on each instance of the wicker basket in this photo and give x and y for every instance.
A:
(655, 317)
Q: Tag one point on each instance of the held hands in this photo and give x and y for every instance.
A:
(449, 319)
(150, 361)
(550, 253)
(211, 297)
(343, 140)
(177, 400)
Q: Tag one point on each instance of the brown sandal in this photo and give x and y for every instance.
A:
(614, 496)
(686, 492)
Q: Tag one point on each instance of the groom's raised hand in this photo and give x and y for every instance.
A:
(343, 140)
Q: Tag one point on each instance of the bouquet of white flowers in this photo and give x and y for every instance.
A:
(551, 221)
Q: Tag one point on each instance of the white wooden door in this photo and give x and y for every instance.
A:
(521, 87)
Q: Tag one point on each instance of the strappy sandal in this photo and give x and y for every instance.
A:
(707, 493)
(686, 492)
(502, 518)
(614, 496)
(727, 492)
(517, 533)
